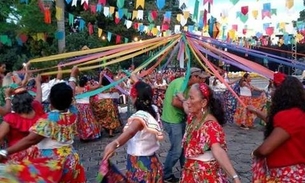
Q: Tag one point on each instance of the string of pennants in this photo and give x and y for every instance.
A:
(204, 19)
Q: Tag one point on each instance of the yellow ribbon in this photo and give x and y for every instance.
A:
(90, 51)
(108, 63)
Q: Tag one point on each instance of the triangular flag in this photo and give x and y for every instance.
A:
(109, 35)
(160, 4)
(289, 4)
(140, 3)
(234, 1)
(118, 39)
(99, 32)
(120, 3)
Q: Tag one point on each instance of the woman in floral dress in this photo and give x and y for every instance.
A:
(16, 125)
(242, 116)
(142, 134)
(204, 140)
(281, 157)
(87, 126)
(54, 134)
(105, 109)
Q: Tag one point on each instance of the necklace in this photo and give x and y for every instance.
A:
(194, 127)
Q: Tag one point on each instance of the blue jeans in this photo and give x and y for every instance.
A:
(175, 153)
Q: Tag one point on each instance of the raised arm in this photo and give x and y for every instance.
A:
(72, 79)
(38, 88)
(7, 107)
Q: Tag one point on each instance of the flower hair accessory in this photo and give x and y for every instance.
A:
(278, 78)
(133, 91)
(204, 89)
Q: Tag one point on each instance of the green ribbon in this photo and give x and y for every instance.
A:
(100, 90)
(188, 66)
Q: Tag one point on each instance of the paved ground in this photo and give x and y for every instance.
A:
(240, 145)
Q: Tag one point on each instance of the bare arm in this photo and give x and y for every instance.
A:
(38, 89)
(222, 158)
(4, 129)
(277, 137)
(59, 73)
(257, 112)
(8, 104)
(25, 143)
(133, 128)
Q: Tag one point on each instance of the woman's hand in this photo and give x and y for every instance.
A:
(237, 180)
(74, 71)
(8, 92)
(38, 79)
(251, 108)
(109, 150)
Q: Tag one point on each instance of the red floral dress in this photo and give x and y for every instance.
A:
(197, 140)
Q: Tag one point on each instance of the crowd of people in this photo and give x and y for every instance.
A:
(41, 118)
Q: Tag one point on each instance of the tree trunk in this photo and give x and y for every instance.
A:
(61, 25)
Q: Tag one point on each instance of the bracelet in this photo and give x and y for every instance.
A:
(252, 154)
(235, 176)
(72, 79)
(3, 153)
(7, 98)
(117, 143)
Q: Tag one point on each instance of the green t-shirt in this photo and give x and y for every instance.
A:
(170, 113)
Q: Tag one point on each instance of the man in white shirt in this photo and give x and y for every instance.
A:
(46, 85)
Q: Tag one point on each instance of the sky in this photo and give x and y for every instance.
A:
(283, 14)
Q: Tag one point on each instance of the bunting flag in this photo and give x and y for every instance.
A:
(99, 32)
(111, 10)
(109, 35)
(244, 18)
(74, 3)
(47, 16)
(59, 13)
(270, 31)
(167, 17)
(267, 7)
(106, 11)
(140, 3)
(255, 14)
(120, 3)
(99, 8)
(128, 24)
(266, 14)
(93, 8)
(134, 14)
(273, 12)
(71, 19)
(207, 1)
(196, 10)
(244, 10)
(289, 4)
(118, 39)
(68, 1)
(102, 2)
(160, 4)
(90, 28)
(234, 2)
(81, 25)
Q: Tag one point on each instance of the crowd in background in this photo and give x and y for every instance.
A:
(42, 117)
